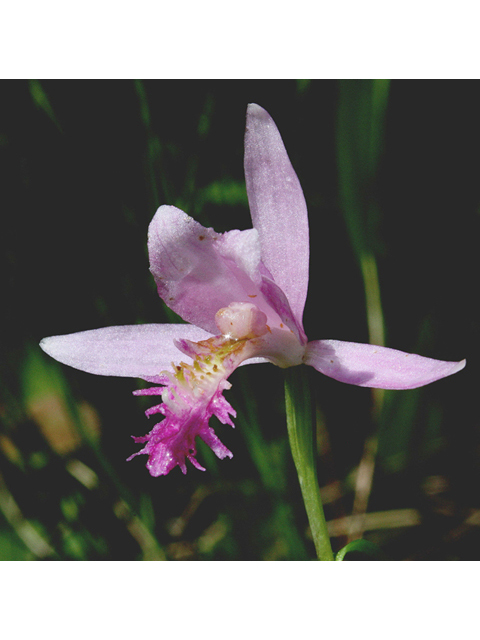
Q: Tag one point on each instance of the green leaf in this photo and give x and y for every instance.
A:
(360, 550)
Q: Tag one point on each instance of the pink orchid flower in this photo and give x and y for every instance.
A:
(243, 295)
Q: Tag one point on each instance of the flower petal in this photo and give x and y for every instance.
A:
(278, 301)
(277, 206)
(367, 365)
(137, 351)
(199, 271)
(191, 395)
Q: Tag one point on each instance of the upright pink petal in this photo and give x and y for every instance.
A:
(199, 271)
(366, 365)
(277, 206)
(137, 351)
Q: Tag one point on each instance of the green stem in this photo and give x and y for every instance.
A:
(299, 412)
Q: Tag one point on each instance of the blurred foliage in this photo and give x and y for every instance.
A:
(390, 174)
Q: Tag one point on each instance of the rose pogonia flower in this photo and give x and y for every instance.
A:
(243, 294)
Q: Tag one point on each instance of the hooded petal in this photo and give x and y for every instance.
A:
(367, 365)
(277, 206)
(137, 351)
(278, 301)
(199, 271)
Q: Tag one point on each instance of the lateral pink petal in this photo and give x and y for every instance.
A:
(366, 365)
(199, 271)
(137, 351)
(277, 206)
(278, 301)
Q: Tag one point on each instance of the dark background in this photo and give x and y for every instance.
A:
(83, 167)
